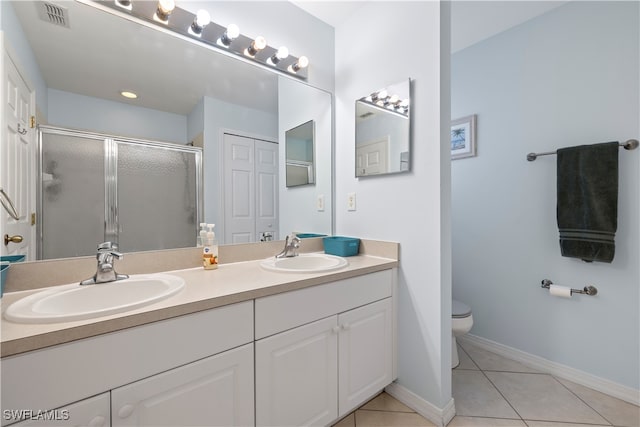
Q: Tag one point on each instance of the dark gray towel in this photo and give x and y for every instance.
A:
(587, 209)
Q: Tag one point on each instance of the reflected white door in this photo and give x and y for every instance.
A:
(373, 157)
(18, 160)
(251, 189)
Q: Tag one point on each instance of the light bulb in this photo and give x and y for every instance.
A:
(303, 62)
(280, 54)
(165, 7)
(257, 45)
(201, 20)
(230, 34)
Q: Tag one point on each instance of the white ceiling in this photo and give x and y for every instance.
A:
(471, 21)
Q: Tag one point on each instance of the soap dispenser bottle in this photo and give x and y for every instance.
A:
(210, 249)
(202, 236)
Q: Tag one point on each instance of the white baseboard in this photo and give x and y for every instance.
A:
(439, 416)
(602, 385)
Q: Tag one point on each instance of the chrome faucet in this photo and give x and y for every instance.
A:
(290, 247)
(105, 272)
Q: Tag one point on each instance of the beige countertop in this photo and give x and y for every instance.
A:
(204, 289)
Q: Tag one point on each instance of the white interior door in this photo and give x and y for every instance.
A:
(18, 160)
(250, 189)
(373, 157)
(266, 189)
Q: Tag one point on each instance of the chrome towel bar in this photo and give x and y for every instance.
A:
(631, 144)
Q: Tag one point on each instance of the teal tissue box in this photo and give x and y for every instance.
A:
(341, 246)
(12, 258)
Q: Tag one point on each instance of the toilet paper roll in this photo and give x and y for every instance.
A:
(560, 291)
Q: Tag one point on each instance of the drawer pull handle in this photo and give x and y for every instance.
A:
(125, 411)
(346, 326)
(335, 329)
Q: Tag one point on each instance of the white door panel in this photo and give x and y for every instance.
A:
(18, 160)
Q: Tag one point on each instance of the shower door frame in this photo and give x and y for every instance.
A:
(110, 143)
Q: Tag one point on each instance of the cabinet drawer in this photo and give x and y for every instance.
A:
(94, 365)
(284, 311)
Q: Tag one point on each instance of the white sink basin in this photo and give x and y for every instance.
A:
(305, 263)
(74, 302)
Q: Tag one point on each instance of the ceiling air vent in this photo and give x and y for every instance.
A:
(53, 14)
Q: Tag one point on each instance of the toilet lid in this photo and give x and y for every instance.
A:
(460, 310)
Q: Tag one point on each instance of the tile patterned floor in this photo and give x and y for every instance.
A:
(493, 391)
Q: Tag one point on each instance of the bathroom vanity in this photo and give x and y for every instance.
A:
(238, 346)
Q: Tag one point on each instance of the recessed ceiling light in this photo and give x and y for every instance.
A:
(128, 94)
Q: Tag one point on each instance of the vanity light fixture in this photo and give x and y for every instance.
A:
(125, 4)
(201, 20)
(165, 7)
(256, 46)
(302, 62)
(281, 53)
(198, 26)
(231, 33)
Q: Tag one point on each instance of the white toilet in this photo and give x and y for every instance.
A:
(461, 323)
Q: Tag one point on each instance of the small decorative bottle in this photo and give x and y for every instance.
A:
(210, 250)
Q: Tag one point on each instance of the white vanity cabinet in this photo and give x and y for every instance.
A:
(310, 372)
(216, 391)
(92, 412)
(179, 369)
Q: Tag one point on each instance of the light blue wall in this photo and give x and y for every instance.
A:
(100, 115)
(22, 54)
(568, 77)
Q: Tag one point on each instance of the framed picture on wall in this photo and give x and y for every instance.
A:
(463, 137)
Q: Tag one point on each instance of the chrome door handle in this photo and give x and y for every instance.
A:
(21, 130)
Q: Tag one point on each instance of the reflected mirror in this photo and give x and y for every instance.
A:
(299, 149)
(188, 94)
(383, 121)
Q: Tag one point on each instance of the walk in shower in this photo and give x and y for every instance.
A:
(91, 188)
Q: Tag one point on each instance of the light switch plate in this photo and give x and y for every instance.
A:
(351, 201)
(320, 203)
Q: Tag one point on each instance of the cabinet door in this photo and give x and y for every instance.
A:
(296, 376)
(92, 412)
(365, 353)
(214, 391)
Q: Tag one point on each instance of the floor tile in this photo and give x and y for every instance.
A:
(348, 421)
(385, 402)
(488, 361)
(366, 418)
(552, 424)
(484, 422)
(616, 411)
(541, 397)
(465, 360)
(474, 395)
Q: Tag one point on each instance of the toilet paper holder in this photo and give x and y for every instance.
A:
(587, 290)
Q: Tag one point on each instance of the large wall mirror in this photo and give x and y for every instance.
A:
(188, 94)
(383, 131)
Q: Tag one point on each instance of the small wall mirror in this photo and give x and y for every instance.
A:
(383, 131)
(299, 147)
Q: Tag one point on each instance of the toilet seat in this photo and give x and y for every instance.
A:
(460, 310)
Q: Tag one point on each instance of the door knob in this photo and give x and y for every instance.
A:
(13, 239)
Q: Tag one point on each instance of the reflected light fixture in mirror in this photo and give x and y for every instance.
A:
(383, 131)
(201, 20)
(200, 27)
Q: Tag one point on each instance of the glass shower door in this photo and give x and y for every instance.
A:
(72, 195)
(157, 197)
